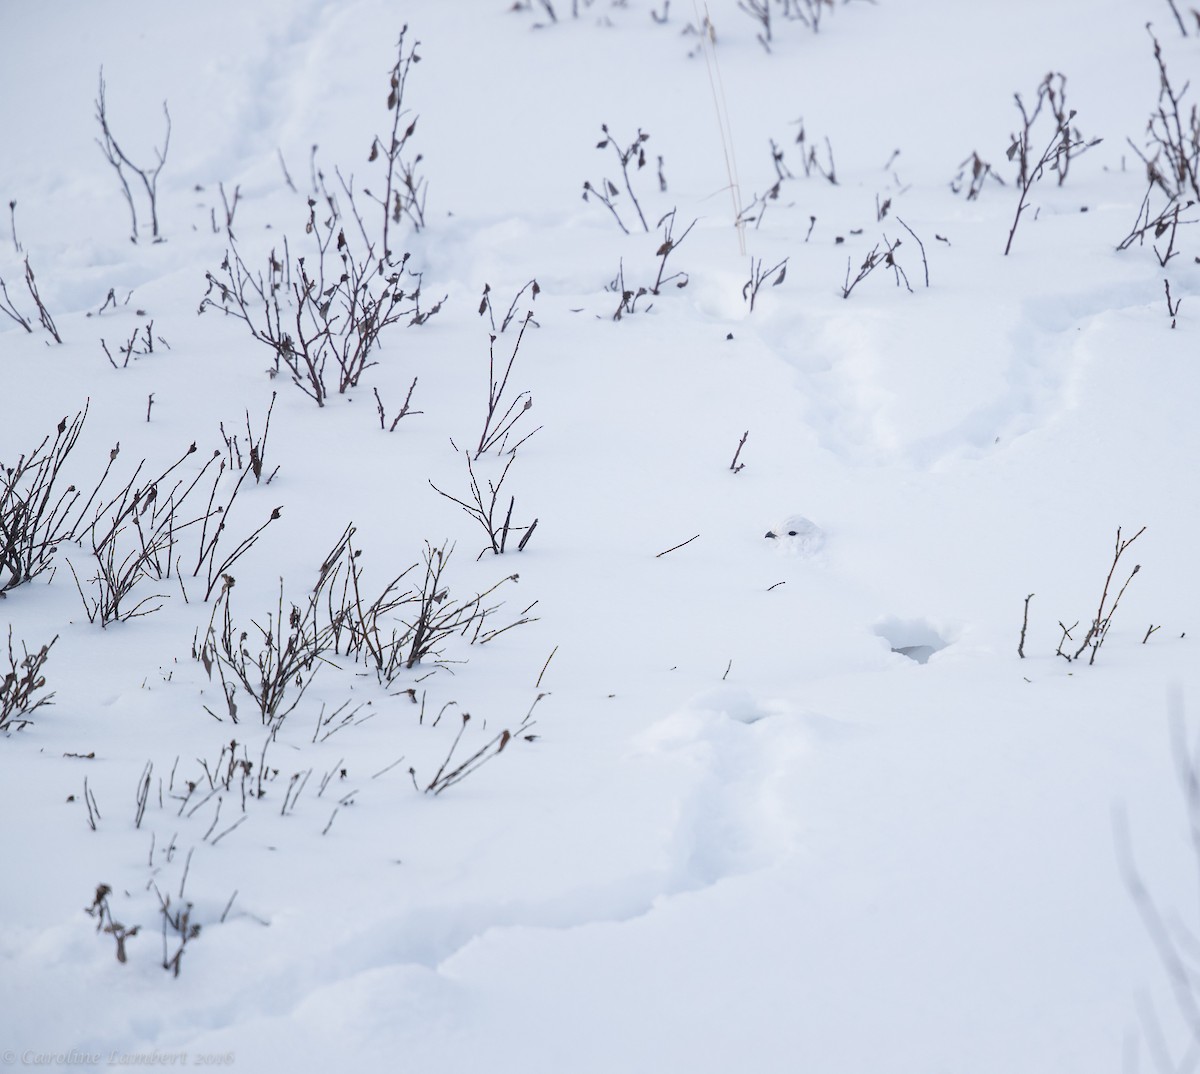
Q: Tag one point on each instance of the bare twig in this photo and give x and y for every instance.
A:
(1172, 310)
(1178, 19)
(538, 685)
(9, 309)
(924, 260)
(676, 546)
(735, 466)
(286, 177)
(43, 313)
(1024, 627)
(402, 413)
(12, 216)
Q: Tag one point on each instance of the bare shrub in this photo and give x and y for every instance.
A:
(404, 192)
(810, 158)
(274, 663)
(503, 413)
(184, 929)
(1051, 95)
(628, 294)
(34, 516)
(1172, 153)
(105, 922)
(485, 305)
(1101, 622)
(758, 276)
(135, 533)
(116, 156)
(486, 509)
(256, 448)
(806, 12)
(668, 245)
(607, 192)
(140, 343)
(447, 776)
(979, 171)
(329, 314)
(22, 688)
(389, 631)
(810, 164)
(10, 310)
(876, 258)
(437, 618)
(1063, 145)
(1166, 222)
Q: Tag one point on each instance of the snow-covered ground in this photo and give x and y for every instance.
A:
(788, 803)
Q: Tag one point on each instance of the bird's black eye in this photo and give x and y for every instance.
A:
(791, 533)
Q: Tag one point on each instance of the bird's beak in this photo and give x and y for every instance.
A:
(770, 534)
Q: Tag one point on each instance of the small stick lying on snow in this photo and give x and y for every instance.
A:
(673, 547)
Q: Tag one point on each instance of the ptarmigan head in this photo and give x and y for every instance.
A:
(797, 536)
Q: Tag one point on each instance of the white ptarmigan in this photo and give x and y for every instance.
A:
(797, 536)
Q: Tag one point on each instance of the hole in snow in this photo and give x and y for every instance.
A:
(917, 639)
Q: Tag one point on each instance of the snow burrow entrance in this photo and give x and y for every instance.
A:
(917, 639)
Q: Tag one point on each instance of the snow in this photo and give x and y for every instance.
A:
(763, 807)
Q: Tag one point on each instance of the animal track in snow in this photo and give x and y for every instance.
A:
(877, 393)
(733, 759)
